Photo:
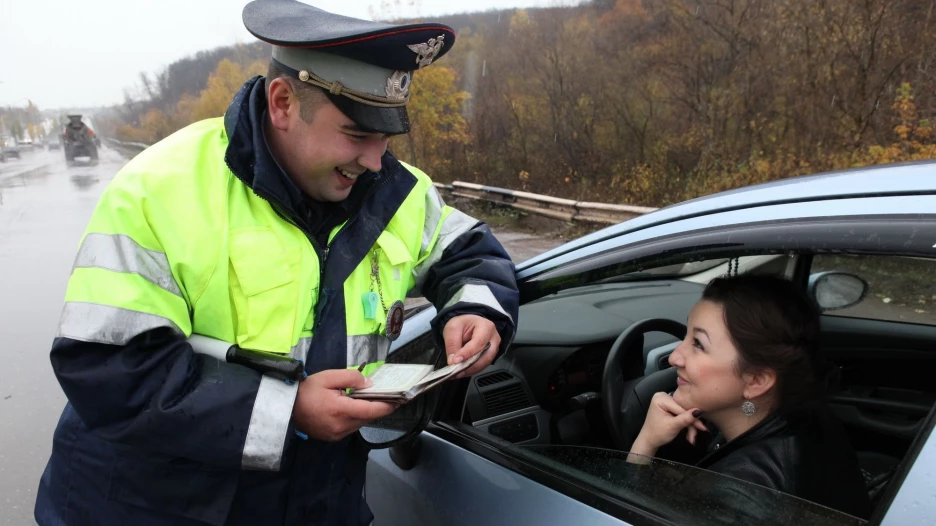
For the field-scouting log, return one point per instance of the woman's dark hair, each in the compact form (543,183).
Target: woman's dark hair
(774,325)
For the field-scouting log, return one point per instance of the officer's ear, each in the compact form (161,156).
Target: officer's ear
(282,102)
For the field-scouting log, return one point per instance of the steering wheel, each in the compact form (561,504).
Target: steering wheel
(625,402)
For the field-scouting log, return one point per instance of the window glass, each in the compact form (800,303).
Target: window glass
(684,494)
(899,288)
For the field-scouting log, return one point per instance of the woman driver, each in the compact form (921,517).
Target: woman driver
(748,363)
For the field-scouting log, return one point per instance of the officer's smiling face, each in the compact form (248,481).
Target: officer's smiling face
(325,156)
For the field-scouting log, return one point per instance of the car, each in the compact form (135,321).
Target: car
(12,151)
(528,440)
(10,147)
(54,144)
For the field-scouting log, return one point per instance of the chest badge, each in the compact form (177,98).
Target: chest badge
(394,325)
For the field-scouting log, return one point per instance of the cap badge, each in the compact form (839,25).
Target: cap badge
(398,85)
(426,53)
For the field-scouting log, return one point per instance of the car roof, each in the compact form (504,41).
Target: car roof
(913,178)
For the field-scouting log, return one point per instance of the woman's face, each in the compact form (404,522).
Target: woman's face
(706,362)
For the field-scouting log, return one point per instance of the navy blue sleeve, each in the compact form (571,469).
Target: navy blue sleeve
(157,395)
(475,276)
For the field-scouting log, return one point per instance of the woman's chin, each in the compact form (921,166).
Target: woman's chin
(681,397)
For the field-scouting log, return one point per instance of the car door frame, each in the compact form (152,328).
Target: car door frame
(911,484)
(802,227)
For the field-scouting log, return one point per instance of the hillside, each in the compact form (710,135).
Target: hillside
(637,101)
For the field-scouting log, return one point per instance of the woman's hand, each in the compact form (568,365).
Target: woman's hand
(665,419)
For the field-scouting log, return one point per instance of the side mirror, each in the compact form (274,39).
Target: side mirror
(836,290)
(409,420)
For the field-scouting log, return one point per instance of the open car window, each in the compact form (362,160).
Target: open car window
(899,288)
(680,493)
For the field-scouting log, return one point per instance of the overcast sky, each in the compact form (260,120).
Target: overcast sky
(79,53)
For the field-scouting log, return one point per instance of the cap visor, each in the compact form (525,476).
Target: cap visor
(392,121)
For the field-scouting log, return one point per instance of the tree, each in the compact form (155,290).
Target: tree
(16,129)
(155,124)
(638,101)
(915,135)
(223,83)
(438,129)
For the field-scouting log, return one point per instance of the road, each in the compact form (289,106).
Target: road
(44,206)
(42,216)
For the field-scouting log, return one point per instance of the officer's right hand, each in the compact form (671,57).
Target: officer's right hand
(323,411)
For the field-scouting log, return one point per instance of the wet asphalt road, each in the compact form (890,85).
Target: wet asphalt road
(44,207)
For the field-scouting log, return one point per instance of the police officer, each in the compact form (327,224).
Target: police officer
(287,228)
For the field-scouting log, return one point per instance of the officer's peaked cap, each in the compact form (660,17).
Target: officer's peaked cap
(364,67)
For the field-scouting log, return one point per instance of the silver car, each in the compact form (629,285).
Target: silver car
(530,440)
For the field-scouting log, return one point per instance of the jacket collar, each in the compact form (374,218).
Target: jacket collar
(777,423)
(248,154)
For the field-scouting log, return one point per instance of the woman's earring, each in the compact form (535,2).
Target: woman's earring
(748,408)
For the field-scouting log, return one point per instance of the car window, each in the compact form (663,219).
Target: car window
(684,494)
(899,288)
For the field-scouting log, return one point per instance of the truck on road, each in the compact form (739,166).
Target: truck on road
(78,140)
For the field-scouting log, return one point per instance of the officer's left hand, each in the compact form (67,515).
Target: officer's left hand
(465,336)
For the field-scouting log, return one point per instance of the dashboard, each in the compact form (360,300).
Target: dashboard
(563,341)
(577,374)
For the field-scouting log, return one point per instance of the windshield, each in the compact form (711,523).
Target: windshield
(685,494)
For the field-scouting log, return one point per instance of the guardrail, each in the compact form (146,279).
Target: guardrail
(555,207)
(135,146)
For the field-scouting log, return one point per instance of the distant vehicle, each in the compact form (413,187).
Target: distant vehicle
(54,144)
(10,148)
(79,141)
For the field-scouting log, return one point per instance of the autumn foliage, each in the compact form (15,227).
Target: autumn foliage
(439,131)
(654,101)
(212,101)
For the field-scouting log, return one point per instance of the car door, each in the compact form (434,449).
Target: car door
(453,473)
(884,351)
